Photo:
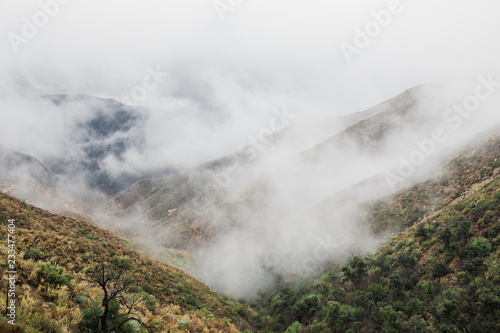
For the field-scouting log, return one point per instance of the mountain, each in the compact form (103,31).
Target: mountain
(106,131)
(188,203)
(15,164)
(55,255)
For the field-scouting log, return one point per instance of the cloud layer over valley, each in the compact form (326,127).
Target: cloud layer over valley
(246,111)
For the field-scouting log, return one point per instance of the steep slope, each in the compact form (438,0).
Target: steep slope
(463,174)
(369,129)
(52,251)
(183,202)
(440,275)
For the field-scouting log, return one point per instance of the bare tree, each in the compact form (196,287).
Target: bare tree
(113,282)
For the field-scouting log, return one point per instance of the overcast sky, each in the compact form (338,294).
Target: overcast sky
(238,60)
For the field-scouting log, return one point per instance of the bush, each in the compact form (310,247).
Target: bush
(378,291)
(355,270)
(479,247)
(407,260)
(421,232)
(393,320)
(492,232)
(120,263)
(80,300)
(339,316)
(83,233)
(44,325)
(482,206)
(294,328)
(51,276)
(414,307)
(474,265)
(240,311)
(32,254)
(90,321)
(427,289)
(396,282)
(485,171)
(439,270)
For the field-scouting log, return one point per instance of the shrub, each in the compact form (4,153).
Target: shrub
(51,276)
(407,260)
(294,328)
(120,263)
(240,311)
(396,282)
(482,206)
(355,270)
(439,270)
(392,319)
(90,321)
(421,232)
(474,265)
(427,289)
(83,233)
(414,307)
(444,236)
(378,291)
(339,315)
(145,286)
(44,325)
(485,171)
(80,300)
(32,254)
(492,232)
(479,247)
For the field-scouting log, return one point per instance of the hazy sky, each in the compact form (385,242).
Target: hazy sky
(233,62)
(287,49)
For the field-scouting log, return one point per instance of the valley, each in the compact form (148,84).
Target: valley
(356,256)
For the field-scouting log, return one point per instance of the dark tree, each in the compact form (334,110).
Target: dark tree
(113,281)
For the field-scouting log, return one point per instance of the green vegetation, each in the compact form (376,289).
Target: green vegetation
(441,275)
(50,276)
(407,207)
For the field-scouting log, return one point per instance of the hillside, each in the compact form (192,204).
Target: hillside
(14,164)
(184,203)
(393,116)
(440,275)
(53,251)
